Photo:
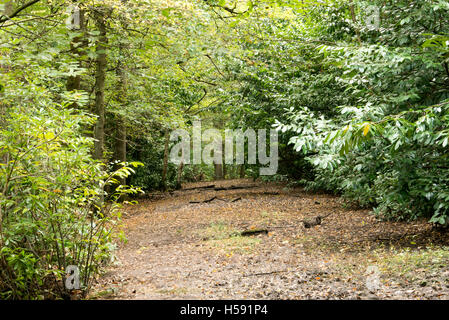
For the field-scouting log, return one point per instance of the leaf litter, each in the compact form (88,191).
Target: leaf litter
(182,250)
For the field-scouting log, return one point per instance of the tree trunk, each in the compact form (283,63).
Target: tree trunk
(77,46)
(100,77)
(165,164)
(120,143)
(179,180)
(242,171)
(120,132)
(224,164)
(354,20)
(119,120)
(218,171)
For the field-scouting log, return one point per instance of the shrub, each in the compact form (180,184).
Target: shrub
(51,215)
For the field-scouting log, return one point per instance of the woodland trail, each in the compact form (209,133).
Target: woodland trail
(182,250)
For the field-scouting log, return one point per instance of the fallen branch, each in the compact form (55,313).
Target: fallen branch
(266,273)
(216,198)
(198,188)
(234,188)
(205,201)
(254,232)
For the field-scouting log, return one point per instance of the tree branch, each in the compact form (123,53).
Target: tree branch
(211,60)
(15,13)
(232,11)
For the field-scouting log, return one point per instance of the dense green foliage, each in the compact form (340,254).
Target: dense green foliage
(365,107)
(50,193)
(361,112)
(387,146)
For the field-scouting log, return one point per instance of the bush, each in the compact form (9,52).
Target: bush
(51,214)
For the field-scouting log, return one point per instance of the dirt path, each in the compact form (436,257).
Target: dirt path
(182,250)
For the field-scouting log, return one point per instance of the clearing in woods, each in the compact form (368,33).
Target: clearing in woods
(189,245)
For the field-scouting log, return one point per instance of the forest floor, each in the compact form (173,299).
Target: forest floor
(182,250)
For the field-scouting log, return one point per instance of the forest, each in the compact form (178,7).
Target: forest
(339,188)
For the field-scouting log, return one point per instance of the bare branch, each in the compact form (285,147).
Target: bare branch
(15,13)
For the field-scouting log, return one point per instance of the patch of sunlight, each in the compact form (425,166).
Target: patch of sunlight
(409,262)
(173,291)
(217,231)
(235,244)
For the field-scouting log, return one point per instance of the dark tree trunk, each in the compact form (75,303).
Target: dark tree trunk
(165,163)
(119,119)
(224,164)
(179,180)
(120,132)
(242,171)
(100,77)
(120,142)
(218,171)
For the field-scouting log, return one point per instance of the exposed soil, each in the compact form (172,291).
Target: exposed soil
(182,250)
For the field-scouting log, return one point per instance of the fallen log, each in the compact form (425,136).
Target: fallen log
(204,201)
(234,188)
(254,232)
(199,188)
(271,193)
(216,198)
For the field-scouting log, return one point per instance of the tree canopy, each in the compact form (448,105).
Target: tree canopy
(91,89)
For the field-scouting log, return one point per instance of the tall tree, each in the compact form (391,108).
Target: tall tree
(77,45)
(100,15)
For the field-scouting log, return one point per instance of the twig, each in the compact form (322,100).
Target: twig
(267,273)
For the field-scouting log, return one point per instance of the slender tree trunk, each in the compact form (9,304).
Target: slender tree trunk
(233,171)
(119,153)
(100,77)
(120,142)
(77,47)
(224,163)
(179,180)
(218,171)
(354,20)
(242,171)
(99,14)
(120,133)
(165,164)
(219,166)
